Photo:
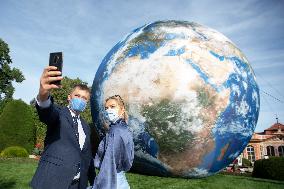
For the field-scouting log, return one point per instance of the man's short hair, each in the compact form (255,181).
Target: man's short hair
(81,86)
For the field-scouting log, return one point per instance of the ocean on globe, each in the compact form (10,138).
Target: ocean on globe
(190,93)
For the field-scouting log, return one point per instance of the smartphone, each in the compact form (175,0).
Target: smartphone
(56,59)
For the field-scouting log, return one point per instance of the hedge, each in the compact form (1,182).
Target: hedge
(17,126)
(246,162)
(14,151)
(272,168)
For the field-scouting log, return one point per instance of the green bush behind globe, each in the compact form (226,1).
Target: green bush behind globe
(191,96)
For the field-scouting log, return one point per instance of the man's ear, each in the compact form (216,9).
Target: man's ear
(69,97)
(88,100)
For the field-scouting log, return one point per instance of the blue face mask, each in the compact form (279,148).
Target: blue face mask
(111,115)
(78,104)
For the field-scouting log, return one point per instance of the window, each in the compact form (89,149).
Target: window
(270,151)
(281,150)
(261,152)
(251,155)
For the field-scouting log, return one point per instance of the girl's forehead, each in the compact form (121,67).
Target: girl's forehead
(111,102)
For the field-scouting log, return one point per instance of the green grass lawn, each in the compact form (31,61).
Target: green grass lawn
(16,174)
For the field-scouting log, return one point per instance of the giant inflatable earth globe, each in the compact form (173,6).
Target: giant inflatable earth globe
(191,96)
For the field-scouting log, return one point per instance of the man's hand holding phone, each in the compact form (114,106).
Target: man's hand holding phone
(49,76)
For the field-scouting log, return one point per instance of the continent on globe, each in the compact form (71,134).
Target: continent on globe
(191,95)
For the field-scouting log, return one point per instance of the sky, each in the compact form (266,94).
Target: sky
(86,30)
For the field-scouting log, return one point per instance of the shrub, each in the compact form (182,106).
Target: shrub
(40,130)
(14,151)
(3,104)
(272,168)
(17,125)
(246,162)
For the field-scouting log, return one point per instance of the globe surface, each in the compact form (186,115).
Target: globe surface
(190,93)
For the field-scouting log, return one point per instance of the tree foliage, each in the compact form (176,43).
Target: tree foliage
(3,104)
(17,125)
(40,128)
(7,74)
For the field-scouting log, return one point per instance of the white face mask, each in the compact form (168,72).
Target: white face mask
(112,115)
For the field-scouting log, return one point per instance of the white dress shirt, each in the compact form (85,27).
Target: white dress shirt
(82,135)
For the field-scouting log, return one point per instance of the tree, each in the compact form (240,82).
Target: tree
(7,74)
(40,128)
(60,95)
(3,104)
(17,125)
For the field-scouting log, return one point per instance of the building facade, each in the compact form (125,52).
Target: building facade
(265,144)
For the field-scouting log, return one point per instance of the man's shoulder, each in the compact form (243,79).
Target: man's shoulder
(59,108)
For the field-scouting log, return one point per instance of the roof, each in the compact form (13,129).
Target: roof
(275,127)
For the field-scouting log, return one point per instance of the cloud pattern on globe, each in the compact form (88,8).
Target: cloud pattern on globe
(191,96)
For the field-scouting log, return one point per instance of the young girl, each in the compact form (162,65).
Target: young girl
(116,151)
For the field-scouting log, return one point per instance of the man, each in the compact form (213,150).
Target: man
(67,153)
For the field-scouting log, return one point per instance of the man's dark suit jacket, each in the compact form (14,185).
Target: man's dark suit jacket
(62,155)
